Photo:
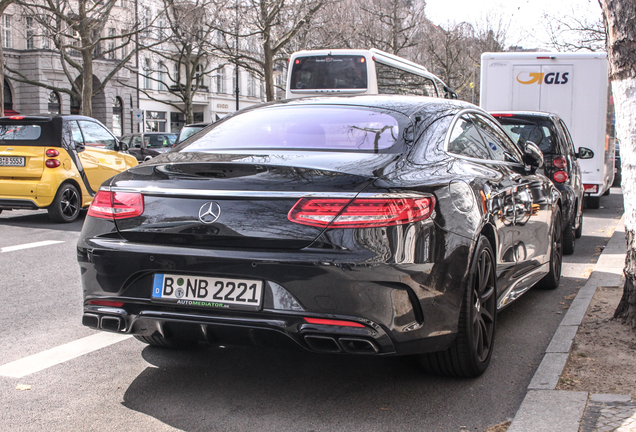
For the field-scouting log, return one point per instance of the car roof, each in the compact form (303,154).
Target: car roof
(541,114)
(407,105)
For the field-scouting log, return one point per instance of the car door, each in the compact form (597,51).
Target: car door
(467,142)
(531,204)
(101,158)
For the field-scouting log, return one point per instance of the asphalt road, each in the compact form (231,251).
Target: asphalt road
(128,386)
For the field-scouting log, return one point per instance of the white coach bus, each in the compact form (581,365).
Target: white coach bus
(348,72)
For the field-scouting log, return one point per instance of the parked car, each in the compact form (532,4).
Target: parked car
(551,134)
(618,171)
(56,162)
(188,130)
(378,225)
(145,146)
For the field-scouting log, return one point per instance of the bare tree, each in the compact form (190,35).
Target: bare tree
(180,52)
(76,29)
(619,17)
(262,29)
(3,7)
(574,32)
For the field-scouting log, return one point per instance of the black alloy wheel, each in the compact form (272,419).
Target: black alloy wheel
(66,205)
(553,278)
(578,232)
(568,239)
(470,353)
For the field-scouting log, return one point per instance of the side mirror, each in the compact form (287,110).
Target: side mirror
(123,146)
(585,153)
(533,157)
(79,146)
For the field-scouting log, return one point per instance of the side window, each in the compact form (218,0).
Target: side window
(501,146)
(568,139)
(397,81)
(466,141)
(96,135)
(76,133)
(136,141)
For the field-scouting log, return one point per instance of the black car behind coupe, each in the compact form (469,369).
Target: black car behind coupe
(378,225)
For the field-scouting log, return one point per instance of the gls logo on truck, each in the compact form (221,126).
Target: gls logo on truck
(541,78)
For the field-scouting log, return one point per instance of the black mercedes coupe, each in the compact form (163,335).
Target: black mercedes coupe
(374,225)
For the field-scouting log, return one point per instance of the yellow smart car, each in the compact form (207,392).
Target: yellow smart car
(56,162)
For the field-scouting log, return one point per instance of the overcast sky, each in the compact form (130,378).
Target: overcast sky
(524,16)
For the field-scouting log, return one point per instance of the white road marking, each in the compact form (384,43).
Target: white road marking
(60,354)
(29,245)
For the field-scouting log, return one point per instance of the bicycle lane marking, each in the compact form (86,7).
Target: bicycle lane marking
(60,354)
(30,245)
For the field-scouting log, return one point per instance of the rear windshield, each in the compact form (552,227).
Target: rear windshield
(537,130)
(329,72)
(188,131)
(316,127)
(160,141)
(20,132)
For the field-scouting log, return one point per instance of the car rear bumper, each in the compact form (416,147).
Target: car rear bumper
(403,308)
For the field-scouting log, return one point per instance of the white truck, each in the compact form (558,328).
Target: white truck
(573,85)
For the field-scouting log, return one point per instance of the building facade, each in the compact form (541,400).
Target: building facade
(136,99)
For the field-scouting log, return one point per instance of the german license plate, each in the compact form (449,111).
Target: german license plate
(11,161)
(207,291)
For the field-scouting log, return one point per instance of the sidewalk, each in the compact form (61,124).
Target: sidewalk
(545,409)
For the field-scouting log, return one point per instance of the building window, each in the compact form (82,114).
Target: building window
(155,121)
(124,51)
(177,74)
(251,85)
(198,75)
(8,98)
(112,33)
(118,117)
(7,40)
(147,74)
(75,105)
(220,81)
(162,76)
(30,32)
(54,103)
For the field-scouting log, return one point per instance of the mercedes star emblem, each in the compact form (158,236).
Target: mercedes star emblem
(209,212)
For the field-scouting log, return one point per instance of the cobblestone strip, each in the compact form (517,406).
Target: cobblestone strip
(609,413)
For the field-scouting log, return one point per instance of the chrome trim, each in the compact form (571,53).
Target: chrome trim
(208,193)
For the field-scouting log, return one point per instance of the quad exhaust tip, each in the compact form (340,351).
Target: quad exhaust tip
(105,322)
(328,344)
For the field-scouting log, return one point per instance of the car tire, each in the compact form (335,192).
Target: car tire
(160,341)
(607,192)
(66,205)
(568,239)
(470,353)
(594,202)
(553,278)
(579,231)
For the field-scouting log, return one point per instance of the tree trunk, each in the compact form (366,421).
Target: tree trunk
(86,107)
(3,6)
(620,19)
(268,70)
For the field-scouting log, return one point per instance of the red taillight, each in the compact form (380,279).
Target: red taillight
(560,176)
(52,163)
(590,188)
(16,117)
(560,162)
(361,212)
(52,153)
(502,115)
(297,61)
(106,303)
(116,205)
(333,322)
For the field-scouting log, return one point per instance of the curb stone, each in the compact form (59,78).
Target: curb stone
(545,409)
